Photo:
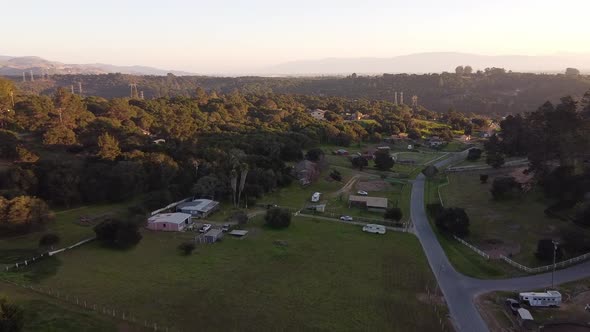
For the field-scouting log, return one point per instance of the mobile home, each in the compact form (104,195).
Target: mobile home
(374,228)
(546,299)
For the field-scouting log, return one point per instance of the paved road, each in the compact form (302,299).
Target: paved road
(460,290)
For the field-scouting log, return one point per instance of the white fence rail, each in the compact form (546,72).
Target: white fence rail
(546,268)
(472,247)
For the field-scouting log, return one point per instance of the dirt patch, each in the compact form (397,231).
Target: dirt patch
(377,185)
(432,299)
(496,248)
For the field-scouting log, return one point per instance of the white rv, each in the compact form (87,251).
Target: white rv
(546,299)
(315,197)
(374,228)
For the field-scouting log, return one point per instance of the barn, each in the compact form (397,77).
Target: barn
(169,222)
(199,208)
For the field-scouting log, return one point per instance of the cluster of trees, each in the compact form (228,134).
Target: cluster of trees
(117,233)
(12,316)
(23,214)
(555,141)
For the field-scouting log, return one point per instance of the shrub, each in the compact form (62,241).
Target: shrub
(393,214)
(315,154)
(454,221)
(505,187)
(117,234)
(483,178)
(575,242)
(474,154)
(545,249)
(434,209)
(277,218)
(335,175)
(49,240)
(187,247)
(12,317)
(430,171)
(383,160)
(582,216)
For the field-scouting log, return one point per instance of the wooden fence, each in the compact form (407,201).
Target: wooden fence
(472,247)
(546,268)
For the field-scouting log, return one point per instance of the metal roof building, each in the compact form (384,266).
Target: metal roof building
(372,203)
(199,208)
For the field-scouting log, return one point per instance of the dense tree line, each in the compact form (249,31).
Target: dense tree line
(491,91)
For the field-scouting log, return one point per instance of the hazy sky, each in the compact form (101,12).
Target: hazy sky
(227,35)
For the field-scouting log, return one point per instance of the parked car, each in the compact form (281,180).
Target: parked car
(225,227)
(205,228)
(513,305)
(362,193)
(346,218)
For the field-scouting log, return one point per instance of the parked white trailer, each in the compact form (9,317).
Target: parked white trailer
(546,299)
(374,228)
(315,197)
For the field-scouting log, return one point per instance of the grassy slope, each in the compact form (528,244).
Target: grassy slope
(15,249)
(462,258)
(520,220)
(330,277)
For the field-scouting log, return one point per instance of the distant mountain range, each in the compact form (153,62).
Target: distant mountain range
(14,66)
(433,63)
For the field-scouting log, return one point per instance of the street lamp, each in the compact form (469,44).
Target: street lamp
(555,244)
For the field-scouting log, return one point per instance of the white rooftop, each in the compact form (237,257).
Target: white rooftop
(173,218)
(525,314)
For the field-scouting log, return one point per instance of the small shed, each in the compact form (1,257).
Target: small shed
(238,233)
(213,235)
(525,319)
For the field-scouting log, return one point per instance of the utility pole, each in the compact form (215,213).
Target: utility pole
(80,88)
(555,243)
(24,77)
(396,98)
(32,77)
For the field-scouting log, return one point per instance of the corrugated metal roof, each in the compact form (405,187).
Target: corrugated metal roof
(173,218)
(378,202)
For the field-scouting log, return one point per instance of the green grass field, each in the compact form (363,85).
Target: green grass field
(329,276)
(518,223)
(15,249)
(46,314)
(463,259)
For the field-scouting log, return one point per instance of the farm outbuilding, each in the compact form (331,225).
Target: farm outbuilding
(213,235)
(199,208)
(169,222)
(377,204)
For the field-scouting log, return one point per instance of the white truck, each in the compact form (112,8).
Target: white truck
(545,299)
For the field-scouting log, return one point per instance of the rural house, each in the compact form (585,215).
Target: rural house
(169,222)
(317,114)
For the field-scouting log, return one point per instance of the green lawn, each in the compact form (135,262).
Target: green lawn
(328,276)
(515,224)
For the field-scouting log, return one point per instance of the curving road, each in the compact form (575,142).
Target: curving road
(460,290)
